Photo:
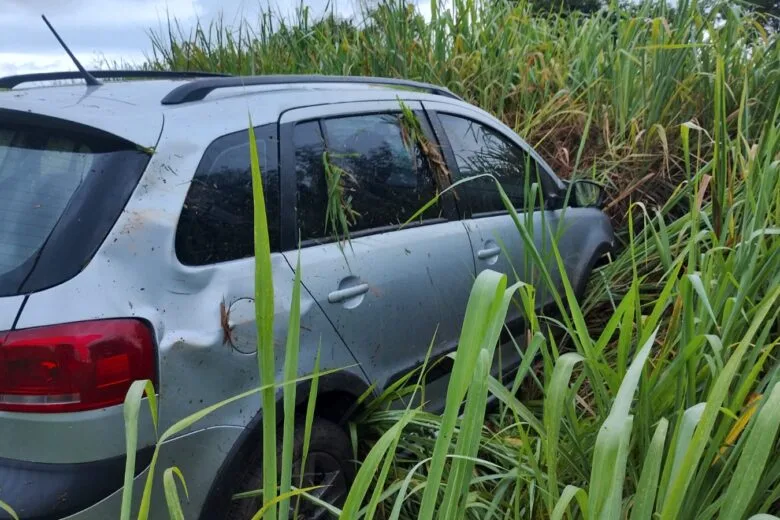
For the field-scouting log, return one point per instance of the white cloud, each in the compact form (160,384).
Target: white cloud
(86,14)
(100,31)
(18,63)
(97,31)
(24,63)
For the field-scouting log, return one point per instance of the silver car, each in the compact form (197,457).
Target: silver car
(126,252)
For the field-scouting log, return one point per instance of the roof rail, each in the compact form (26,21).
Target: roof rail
(10,82)
(199,89)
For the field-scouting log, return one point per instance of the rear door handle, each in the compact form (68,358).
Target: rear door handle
(490,252)
(349,292)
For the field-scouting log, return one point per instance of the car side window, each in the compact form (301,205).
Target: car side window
(478,149)
(312,191)
(387,177)
(217,221)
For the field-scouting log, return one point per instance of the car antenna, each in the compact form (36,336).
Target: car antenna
(91,80)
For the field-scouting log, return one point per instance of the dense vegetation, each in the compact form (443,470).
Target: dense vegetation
(663,398)
(602,95)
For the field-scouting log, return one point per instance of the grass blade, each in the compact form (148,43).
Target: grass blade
(647,486)
(611,449)
(5,507)
(459,477)
(679,446)
(130,410)
(172,494)
(553,414)
(485,302)
(264,320)
(282,497)
(290,371)
(679,485)
(758,448)
(367,470)
(310,407)
(570,492)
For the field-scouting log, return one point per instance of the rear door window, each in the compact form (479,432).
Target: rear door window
(217,220)
(386,177)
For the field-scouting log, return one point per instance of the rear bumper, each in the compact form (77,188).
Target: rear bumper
(198,455)
(39,491)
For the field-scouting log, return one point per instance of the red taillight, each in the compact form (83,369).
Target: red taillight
(73,367)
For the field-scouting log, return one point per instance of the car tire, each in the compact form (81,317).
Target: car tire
(330,460)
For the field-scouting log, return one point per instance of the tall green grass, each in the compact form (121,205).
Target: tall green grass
(670,411)
(600,96)
(688,428)
(661,399)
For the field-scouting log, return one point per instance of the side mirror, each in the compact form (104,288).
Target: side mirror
(586,194)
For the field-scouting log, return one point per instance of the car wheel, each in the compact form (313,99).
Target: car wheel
(329,464)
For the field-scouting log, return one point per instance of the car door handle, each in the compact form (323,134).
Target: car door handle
(489,252)
(349,292)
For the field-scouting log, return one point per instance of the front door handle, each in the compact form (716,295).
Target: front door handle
(489,252)
(349,292)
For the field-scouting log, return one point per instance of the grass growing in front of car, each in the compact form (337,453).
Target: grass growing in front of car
(670,411)
(277,490)
(662,399)
(484,318)
(8,509)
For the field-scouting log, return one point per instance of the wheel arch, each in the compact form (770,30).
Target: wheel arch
(594,260)
(337,400)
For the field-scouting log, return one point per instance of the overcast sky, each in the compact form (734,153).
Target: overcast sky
(113,29)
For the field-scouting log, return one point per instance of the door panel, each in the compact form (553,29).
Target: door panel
(390,295)
(514,259)
(389,291)
(476,146)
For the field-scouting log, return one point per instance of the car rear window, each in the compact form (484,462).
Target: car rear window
(39,172)
(48,181)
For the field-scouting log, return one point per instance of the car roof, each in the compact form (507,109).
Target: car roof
(133,109)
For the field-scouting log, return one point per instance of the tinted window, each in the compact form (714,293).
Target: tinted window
(310,174)
(479,150)
(217,220)
(388,181)
(39,173)
(61,190)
